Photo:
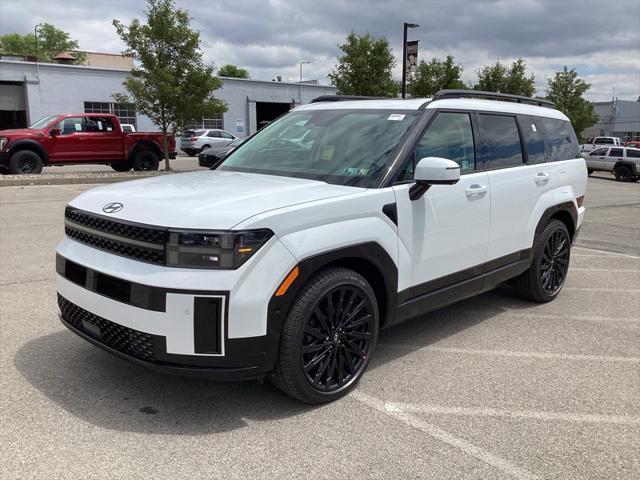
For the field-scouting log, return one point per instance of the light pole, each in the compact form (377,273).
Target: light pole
(404,56)
(300,83)
(35,34)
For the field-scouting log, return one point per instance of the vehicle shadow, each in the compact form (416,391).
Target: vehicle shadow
(111,393)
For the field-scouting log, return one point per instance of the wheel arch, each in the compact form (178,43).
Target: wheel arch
(143,145)
(367,259)
(566,212)
(31,145)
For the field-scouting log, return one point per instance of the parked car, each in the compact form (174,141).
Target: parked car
(212,157)
(128,128)
(632,144)
(623,162)
(600,142)
(194,142)
(72,138)
(286,261)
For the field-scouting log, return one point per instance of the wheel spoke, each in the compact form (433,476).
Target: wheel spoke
(322,319)
(314,332)
(316,347)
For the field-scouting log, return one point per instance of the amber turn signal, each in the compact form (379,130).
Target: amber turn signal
(284,286)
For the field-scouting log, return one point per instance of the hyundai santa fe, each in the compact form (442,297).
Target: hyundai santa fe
(287,260)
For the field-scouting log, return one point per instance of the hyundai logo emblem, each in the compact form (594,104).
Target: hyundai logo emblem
(112,207)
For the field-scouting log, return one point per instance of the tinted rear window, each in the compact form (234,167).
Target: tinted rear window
(532,139)
(559,139)
(500,141)
(615,152)
(604,140)
(633,153)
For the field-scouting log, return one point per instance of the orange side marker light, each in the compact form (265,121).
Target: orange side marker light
(284,286)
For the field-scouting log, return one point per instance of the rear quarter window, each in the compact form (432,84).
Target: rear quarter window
(633,153)
(532,139)
(560,140)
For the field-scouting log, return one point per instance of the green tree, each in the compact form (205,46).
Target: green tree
(435,75)
(565,89)
(170,83)
(232,71)
(51,42)
(365,67)
(499,78)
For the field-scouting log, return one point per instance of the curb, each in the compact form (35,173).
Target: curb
(78,178)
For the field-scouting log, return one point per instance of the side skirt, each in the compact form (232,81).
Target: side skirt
(420,299)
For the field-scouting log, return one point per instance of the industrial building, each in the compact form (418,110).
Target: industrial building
(617,118)
(30,90)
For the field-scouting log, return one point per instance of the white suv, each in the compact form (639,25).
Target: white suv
(289,258)
(623,162)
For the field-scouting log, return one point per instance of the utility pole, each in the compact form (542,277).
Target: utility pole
(406,26)
(300,83)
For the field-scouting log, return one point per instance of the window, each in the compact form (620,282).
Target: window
(226,135)
(615,152)
(633,153)
(604,141)
(98,124)
(206,123)
(125,112)
(500,141)
(71,125)
(559,139)
(532,139)
(214,134)
(599,152)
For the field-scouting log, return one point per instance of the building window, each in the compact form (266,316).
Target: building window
(206,123)
(125,112)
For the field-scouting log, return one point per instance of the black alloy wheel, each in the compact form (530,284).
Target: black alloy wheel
(25,162)
(555,262)
(337,338)
(328,337)
(623,173)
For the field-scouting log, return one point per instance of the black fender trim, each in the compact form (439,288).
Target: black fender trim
(27,144)
(568,207)
(154,146)
(370,253)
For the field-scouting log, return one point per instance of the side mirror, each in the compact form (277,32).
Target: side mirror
(54,132)
(433,171)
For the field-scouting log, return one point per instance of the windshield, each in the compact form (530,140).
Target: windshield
(345,147)
(43,122)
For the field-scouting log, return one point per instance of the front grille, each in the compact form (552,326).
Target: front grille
(140,243)
(142,234)
(126,340)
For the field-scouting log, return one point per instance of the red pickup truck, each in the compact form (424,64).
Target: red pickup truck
(72,138)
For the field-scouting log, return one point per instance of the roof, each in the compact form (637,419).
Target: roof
(427,103)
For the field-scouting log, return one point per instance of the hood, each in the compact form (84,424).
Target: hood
(207,199)
(20,131)
(217,150)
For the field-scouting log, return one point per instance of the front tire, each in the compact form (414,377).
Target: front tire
(549,266)
(328,337)
(146,160)
(25,162)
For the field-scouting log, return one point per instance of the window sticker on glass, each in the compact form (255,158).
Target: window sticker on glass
(78,127)
(327,152)
(351,171)
(396,117)
(533,127)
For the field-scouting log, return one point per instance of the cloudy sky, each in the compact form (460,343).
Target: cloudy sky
(600,39)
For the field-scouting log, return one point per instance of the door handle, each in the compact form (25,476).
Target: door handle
(541,178)
(475,190)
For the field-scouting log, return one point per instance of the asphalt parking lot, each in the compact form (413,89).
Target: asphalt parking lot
(490,388)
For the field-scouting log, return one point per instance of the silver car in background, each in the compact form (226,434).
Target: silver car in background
(192,142)
(623,162)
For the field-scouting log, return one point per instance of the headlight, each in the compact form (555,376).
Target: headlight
(222,250)
(3,142)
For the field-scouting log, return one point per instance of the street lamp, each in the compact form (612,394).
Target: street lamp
(300,83)
(35,34)
(404,56)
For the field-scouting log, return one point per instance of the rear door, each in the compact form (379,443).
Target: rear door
(102,140)
(446,231)
(614,156)
(517,179)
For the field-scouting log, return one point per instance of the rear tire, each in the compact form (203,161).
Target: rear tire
(623,173)
(204,148)
(328,337)
(123,166)
(549,266)
(146,160)
(25,162)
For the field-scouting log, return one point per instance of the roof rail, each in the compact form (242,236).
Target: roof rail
(505,97)
(345,98)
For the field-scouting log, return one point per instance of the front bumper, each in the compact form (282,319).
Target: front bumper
(152,316)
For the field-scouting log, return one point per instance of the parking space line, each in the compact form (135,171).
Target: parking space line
(612,270)
(580,318)
(511,353)
(528,414)
(603,289)
(438,433)
(606,252)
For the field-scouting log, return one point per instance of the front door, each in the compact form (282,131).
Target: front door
(444,234)
(68,145)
